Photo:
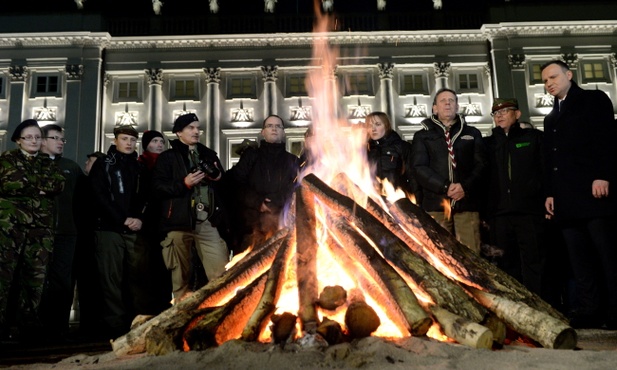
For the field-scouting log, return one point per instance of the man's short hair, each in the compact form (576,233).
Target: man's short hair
(53,127)
(263,125)
(442,90)
(127,130)
(564,66)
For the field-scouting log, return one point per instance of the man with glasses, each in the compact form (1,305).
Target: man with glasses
(515,194)
(29,181)
(265,178)
(448,163)
(58,293)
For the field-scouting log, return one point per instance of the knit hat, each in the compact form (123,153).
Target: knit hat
(27,123)
(148,136)
(127,130)
(183,121)
(500,103)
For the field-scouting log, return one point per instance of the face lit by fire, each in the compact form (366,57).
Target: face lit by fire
(506,117)
(376,127)
(189,135)
(125,144)
(273,130)
(446,107)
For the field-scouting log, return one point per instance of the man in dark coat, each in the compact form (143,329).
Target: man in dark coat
(186,179)
(118,206)
(448,161)
(515,206)
(580,166)
(265,177)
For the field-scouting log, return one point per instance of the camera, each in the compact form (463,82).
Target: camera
(208,168)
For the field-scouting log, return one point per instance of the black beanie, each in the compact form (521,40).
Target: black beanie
(183,121)
(21,127)
(148,136)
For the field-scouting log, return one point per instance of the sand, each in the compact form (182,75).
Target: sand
(596,349)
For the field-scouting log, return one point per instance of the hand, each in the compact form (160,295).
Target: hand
(456,191)
(550,207)
(599,188)
(134,224)
(194,178)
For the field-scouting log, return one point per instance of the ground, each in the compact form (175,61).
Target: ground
(597,349)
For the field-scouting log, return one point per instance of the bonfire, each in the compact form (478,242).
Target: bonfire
(349,262)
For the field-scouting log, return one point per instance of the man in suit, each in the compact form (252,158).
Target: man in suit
(580,167)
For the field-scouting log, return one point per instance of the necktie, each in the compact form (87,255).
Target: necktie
(450,149)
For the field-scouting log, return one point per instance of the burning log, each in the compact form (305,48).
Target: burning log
(254,264)
(214,327)
(332,297)
(462,330)
(267,304)
(537,325)
(361,320)
(402,297)
(471,269)
(444,292)
(283,327)
(306,260)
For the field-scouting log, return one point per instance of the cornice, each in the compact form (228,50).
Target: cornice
(570,28)
(81,39)
(298,39)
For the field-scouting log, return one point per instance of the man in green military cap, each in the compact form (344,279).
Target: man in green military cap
(515,205)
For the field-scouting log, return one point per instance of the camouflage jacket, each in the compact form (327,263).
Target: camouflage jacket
(27,190)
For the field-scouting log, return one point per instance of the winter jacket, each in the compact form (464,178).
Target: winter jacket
(266,172)
(579,149)
(177,210)
(391,157)
(116,184)
(431,169)
(515,171)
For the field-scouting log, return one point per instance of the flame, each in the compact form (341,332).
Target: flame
(447,208)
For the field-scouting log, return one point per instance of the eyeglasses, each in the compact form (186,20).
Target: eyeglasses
(274,125)
(31,138)
(501,112)
(57,138)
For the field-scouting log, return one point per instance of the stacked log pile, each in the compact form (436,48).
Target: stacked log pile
(416,270)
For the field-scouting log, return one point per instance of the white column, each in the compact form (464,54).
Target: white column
(270,75)
(155,113)
(387,95)
(213,111)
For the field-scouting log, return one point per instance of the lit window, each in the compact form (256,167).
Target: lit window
(296,86)
(358,84)
(184,90)
(413,84)
(127,90)
(535,75)
(594,72)
(242,87)
(467,82)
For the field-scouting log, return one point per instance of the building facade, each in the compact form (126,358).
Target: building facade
(91,82)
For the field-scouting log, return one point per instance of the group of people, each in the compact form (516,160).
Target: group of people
(541,196)
(135,231)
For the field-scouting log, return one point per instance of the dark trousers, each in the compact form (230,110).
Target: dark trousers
(59,288)
(521,237)
(592,246)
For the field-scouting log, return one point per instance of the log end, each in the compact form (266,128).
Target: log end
(421,327)
(567,339)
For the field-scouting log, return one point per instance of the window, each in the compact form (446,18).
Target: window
(467,82)
(296,86)
(413,84)
(184,90)
(242,87)
(2,88)
(594,72)
(46,85)
(127,90)
(358,84)
(535,75)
